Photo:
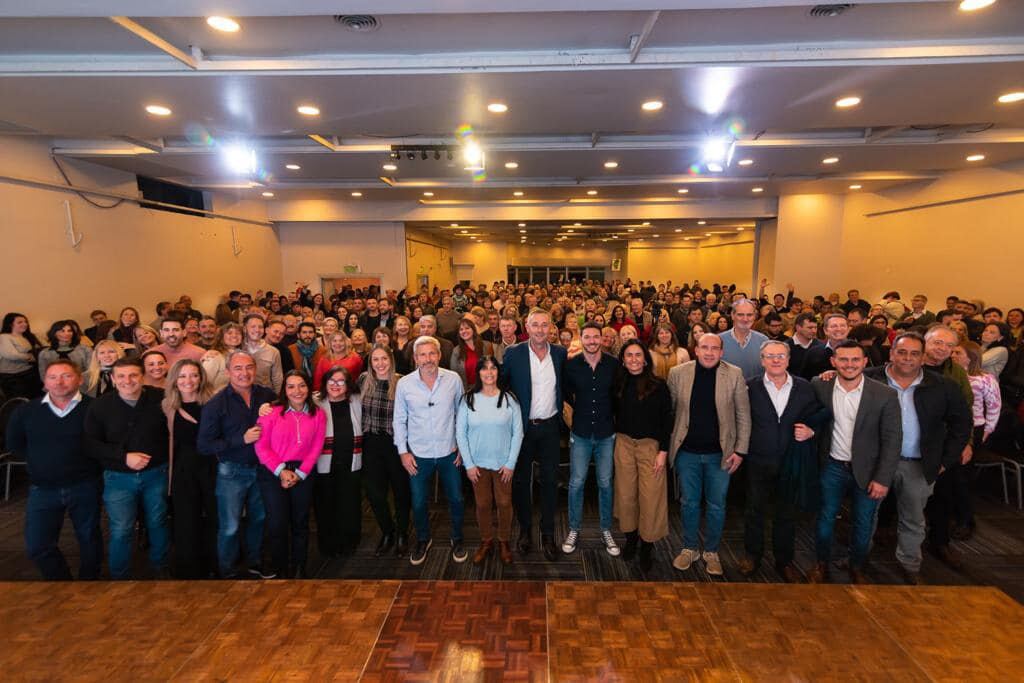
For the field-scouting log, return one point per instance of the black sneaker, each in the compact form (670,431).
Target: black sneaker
(257,571)
(459,553)
(419,551)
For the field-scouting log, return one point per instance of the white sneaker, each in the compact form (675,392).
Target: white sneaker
(685,558)
(714,565)
(569,546)
(609,543)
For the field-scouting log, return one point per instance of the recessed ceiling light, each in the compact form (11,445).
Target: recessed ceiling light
(702,222)
(267,194)
(463,231)
(856,187)
(577,224)
(757,189)
(511,165)
(715,167)
(645,224)
(679,229)
(570,230)
(497,107)
(357,194)
(1011,97)
(847,102)
(682,190)
(225,24)
(517,193)
(976,157)
(454,225)
(631,230)
(739,229)
(522,225)
(707,234)
(292,167)
(615,237)
(745,162)
(830,160)
(523,231)
(158,110)
(611,164)
(308,110)
(972,5)
(651,105)
(591,192)
(428,194)
(389,167)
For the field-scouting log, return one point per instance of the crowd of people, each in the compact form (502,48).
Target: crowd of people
(214,435)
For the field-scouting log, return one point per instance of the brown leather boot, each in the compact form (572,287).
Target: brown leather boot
(505,552)
(482,551)
(819,574)
(747,565)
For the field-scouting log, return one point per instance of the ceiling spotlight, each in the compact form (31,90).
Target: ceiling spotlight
(615,237)
(702,222)
(631,230)
(707,234)
(651,236)
(308,110)
(517,193)
(389,167)
(463,231)
(715,167)
(1011,97)
(437,155)
(830,160)
(856,187)
(450,157)
(570,230)
(158,110)
(240,159)
(454,225)
(522,225)
(292,167)
(428,194)
(411,155)
(976,157)
(645,224)
(591,192)
(757,189)
(497,107)
(847,102)
(577,224)
(972,5)
(611,164)
(739,229)
(225,24)
(679,229)
(423,155)
(683,190)
(651,105)
(511,165)
(396,156)
(523,231)
(745,162)
(267,194)
(357,194)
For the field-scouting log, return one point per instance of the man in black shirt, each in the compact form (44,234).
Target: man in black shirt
(588,379)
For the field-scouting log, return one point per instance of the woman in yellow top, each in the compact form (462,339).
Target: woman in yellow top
(665,351)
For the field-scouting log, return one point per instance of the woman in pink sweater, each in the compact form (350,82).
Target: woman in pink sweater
(292,437)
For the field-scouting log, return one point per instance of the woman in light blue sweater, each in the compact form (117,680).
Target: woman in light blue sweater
(489,430)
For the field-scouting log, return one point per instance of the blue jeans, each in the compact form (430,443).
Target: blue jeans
(237,488)
(122,493)
(451,482)
(701,474)
(44,517)
(836,481)
(581,451)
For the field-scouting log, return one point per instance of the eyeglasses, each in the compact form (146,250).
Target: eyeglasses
(336,382)
(774,356)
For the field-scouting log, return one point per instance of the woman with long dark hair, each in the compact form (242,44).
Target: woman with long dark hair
(468,351)
(643,425)
(65,342)
(19,349)
(489,431)
(124,333)
(291,438)
(337,492)
(995,347)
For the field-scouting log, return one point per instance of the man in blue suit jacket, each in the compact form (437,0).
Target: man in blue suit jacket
(533,371)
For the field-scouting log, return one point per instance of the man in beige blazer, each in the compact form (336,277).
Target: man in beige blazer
(709,440)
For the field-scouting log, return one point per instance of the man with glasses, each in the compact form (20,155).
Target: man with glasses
(936,427)
(741,345)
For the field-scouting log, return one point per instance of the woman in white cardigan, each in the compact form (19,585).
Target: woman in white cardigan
(337,488)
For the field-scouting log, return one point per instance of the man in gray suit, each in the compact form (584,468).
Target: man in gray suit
(860,447)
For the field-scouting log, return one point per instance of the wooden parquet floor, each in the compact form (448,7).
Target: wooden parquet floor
(321,630)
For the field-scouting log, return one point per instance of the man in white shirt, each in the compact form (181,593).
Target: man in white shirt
(861,448)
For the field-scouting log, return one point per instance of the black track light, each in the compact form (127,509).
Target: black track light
(437,155)
(423,155)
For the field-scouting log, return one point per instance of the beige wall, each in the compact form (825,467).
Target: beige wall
(313,250)
(486,262)
(128,256)
(808,238)
(724,260)
(428,255)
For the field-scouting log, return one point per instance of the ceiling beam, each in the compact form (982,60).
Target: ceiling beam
(636,42)
(155,40)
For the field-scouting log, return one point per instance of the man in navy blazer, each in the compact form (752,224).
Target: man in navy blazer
(533,371)
(784,411)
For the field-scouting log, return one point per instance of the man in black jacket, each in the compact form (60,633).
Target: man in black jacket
(936,428)
(818,358)
(781,406)
(47,435)
(126,431)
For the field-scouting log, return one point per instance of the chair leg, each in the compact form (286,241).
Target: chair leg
(1006,494)
(7,486)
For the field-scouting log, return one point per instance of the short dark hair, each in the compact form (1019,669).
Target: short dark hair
(591,325)
(129,362)
(97,312)
(252,316)
(909,334)
(306,323)
(804,317)
(233,293)
(772,318)
(173,318)
(851,344)
(993,309)
(161,306)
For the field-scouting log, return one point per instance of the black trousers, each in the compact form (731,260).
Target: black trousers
(963,485)
(287,519)
(337,499)
(763,493)
(194,516)
(939,510)
(540,445)
(382,469)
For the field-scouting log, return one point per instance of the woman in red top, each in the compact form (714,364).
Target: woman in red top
(339,353)
(468,351)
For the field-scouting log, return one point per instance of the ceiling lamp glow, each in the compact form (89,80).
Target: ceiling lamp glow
(428,194)
(976,157)
(497,107)
(972,5)
(682,190)
(847,102)
(511,165)
(357,194)
(611,164)
(591,192)
(267,194)
(240,159)
(158,110)
(757,189)
(308,110)
(856,187)
(745,162)
(830,160)
(225,24)
(292,167)
(1011,97)
(651,105)
(517,193)
(389,167)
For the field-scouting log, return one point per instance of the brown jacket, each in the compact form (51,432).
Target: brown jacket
(731,403)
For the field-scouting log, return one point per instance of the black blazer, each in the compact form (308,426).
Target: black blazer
(770,435)
(515,371)
(943,416)
(877,432)
(817,359)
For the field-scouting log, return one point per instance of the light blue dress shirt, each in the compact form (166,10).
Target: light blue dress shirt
(489,436)
(424,420)
(911,447)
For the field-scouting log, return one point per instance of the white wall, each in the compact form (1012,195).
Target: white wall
(313,250)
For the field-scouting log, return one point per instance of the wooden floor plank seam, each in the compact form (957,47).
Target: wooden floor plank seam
(380,629)
(547,623)
(209,634)
(885,629)
(719,637)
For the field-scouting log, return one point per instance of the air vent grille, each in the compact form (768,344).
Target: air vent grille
(359,23)
(833,10)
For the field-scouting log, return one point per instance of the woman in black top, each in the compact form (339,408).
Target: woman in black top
(337,488)
(124,333)
(192,474)
(643,425)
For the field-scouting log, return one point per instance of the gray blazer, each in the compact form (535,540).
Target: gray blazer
(731,403)
(877,433)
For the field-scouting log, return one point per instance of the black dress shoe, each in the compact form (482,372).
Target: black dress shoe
(300,572)
(401,545)
(550,551)
(387,542)
(525,542)
(646,562)
(629,550)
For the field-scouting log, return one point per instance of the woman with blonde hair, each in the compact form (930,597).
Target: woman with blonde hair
(99,378)
(193,475)
(339,353)
(229,338)
(146,338)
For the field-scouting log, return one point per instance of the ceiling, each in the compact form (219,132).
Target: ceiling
(760,73)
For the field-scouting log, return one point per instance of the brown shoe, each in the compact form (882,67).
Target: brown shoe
(912,578)
(790,574)
(505,552)
(482,551)
(747,566)
(952,557)
(819,574)
(857,576)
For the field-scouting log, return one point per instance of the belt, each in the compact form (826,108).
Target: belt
(543,420)
(848,464)
(910,459)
